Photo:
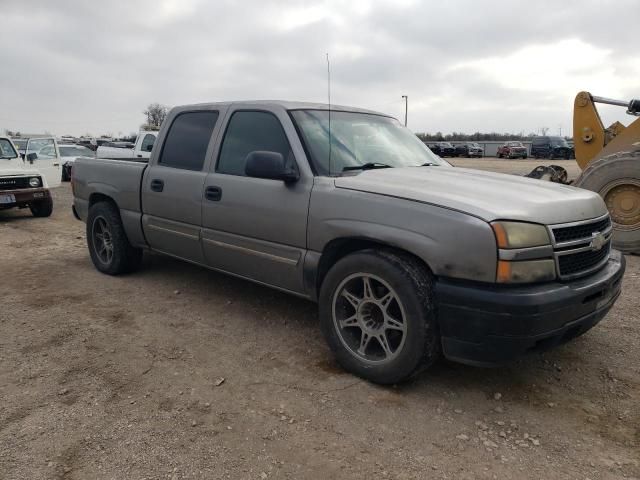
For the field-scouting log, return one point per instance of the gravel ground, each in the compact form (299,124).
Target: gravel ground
(178,372)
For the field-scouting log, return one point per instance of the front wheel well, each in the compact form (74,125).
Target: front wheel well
(339,248)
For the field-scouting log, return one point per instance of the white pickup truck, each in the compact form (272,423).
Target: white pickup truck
(142,149)
(22,185)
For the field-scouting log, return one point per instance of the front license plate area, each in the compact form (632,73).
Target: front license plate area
(9,198)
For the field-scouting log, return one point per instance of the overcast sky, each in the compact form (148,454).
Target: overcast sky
(76,66)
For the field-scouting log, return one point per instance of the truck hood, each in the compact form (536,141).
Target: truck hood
(489,196)
(18,172)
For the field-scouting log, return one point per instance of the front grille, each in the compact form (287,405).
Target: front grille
(582,231)
(14,183)
(581,248)
(576,263)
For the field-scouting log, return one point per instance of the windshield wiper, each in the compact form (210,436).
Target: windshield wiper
(367,166)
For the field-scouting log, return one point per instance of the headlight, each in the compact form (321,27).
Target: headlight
(524,251)
(531,271)
(520,234)
(34,182)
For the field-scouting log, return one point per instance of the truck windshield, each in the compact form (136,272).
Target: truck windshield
(6,149)
(359,139)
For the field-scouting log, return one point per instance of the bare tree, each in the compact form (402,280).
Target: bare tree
(156,114)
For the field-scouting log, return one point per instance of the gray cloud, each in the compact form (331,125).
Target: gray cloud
(72,66)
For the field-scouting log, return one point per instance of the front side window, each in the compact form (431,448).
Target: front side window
(358,139)
(250,131)
(45,148)
(187,140)
(6,149)
(147,142)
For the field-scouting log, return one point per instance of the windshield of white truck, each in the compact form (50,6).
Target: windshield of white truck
(6,149)
(359,141)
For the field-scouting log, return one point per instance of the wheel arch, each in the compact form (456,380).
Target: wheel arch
(338,248)
(101,197)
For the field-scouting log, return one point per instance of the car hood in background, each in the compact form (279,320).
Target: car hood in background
(490,196)
(18,172)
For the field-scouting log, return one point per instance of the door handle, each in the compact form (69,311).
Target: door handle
(157,185)
(139,155)
(213,193)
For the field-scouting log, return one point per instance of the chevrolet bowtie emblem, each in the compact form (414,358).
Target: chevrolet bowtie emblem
(598,241)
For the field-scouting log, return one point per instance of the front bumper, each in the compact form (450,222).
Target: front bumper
(25,197)
(491,325)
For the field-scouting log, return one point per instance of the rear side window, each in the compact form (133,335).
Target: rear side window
(187,140)
(248,132)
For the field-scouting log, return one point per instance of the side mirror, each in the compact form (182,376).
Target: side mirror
(148,148)
(31,157)
(270,165)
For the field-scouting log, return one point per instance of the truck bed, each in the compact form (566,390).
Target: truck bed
(120,180)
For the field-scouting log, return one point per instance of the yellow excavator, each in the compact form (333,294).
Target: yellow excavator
(610,163)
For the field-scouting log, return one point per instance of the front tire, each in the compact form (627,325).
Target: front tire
(377,315)
(108,244)
(42,208)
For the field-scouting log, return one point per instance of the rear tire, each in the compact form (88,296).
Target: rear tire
(108,244)
(616,178)
(42,208)
(385,332)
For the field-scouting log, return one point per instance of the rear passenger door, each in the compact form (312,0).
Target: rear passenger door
(257,227)
(173,184)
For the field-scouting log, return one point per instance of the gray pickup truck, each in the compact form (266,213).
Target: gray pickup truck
(408,258)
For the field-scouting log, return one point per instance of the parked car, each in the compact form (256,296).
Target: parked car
(141,149)
(550,147)
(469,149)
(68,155)
(20,186)
(512,150)
(407,257)
(443,149)
(21,145)
(572,151)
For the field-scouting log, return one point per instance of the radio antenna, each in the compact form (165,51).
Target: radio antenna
(329,103)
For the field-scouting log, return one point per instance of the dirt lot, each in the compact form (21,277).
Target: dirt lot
(178,372)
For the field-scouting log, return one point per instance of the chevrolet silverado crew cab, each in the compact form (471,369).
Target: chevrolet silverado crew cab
(408,258)
(22,186)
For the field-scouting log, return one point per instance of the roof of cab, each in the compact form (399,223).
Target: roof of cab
(288,105)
